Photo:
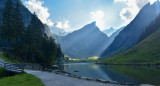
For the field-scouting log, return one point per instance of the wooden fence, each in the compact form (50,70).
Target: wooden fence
(12,67)
(1,64)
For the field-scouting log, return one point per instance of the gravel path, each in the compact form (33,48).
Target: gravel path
(52,79)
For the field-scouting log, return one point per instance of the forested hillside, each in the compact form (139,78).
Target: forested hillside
(26,44)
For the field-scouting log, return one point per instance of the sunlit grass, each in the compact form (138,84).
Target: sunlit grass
(93,58)
(22,79)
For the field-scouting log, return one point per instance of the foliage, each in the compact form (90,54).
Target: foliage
(2,72)
(8,32)
(8,59)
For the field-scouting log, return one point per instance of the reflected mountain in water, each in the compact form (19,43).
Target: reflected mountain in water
(121,74)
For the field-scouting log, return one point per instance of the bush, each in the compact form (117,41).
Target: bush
(2,72)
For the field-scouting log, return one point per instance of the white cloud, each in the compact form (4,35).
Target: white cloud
(59,25)
(63,25)
(98,16)
(66,24)
(132,8)
(42,12)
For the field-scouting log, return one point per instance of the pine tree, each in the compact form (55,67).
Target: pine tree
(34,35)
(7,31)
(19,30)
(19,25)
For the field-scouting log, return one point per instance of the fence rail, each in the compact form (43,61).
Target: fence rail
(1,64)
(12,67)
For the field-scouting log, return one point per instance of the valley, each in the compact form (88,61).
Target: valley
(100,42)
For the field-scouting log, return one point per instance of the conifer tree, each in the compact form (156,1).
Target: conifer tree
(19,25)
(34,36)
(7,30)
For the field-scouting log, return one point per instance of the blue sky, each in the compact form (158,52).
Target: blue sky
(73,14)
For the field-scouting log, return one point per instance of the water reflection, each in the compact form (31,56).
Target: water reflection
(121,74)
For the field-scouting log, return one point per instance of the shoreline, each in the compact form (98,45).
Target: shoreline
(88,79)
(126,64)
(69,78)
(73,77)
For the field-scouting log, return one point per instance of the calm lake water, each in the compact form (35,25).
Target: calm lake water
(121,74)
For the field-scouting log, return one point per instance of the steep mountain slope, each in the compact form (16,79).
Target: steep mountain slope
(147,51)
(25,12)
(153,27)
(85,42)
(129,37)
(109,32)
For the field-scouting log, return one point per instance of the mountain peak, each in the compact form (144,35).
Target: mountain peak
(93,23)
(157,3)
(91,26)
(111,28)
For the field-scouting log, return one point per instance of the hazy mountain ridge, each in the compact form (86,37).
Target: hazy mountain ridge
(109,31)
(85,42)
(58,31)
(115,34)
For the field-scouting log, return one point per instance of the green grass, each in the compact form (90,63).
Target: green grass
(21,80)
(95,58)
(9,59)
(148,51)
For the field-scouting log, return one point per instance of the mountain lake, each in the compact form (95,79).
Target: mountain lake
(121,74)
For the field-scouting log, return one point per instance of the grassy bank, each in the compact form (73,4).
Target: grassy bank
(18,79)
(9,59)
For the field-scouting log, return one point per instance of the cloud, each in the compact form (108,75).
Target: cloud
(98,16)
(42,12)
(66,24)
(63,25)
(132,8)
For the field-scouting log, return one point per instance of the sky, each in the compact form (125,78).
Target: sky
(71,15)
